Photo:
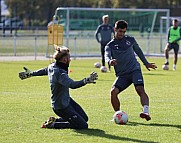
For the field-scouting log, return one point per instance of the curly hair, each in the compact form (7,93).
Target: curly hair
(61,51)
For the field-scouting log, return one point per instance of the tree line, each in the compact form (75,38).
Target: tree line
(40,12)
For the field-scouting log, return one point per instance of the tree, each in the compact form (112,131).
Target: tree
(43,10)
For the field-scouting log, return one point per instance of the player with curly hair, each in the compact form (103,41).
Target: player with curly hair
(71,115)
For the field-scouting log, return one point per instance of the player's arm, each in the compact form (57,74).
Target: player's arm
(64,79)
(168,36)
(97,34)
(178,39)
(28,73)
(140,54)
(107,56)
(40,72)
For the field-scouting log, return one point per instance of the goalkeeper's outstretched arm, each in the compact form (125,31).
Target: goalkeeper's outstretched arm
(40,72)
(28,73)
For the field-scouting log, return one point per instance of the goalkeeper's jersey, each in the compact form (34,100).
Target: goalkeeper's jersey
(123,50)
(59,84)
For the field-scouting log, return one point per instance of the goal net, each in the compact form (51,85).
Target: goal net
(80,25)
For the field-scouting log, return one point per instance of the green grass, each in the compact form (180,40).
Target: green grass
(25,105)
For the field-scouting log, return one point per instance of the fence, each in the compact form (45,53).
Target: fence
(81,44)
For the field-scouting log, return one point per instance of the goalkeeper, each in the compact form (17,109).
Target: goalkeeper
(71,115)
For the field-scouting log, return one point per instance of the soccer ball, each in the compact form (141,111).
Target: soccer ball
(103,69)
(97,65)
(120,117)
(165,67)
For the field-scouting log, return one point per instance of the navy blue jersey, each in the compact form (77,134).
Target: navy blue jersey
(105,32)
(123,50)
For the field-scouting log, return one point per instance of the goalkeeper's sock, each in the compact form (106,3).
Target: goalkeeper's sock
(146,109)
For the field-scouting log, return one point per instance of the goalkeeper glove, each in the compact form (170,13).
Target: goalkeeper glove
(93,76)
(26,74)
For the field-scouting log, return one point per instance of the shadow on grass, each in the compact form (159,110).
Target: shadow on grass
(154,124)
(155,74)
(101,133)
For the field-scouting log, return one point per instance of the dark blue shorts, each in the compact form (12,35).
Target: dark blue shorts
(174,46)
(124,81)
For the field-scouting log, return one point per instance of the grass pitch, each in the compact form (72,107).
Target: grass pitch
(25,105)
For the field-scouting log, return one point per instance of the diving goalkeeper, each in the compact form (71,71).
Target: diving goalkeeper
(71,115)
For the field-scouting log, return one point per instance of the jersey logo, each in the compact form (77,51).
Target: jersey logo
(117,47)
(108,28)
(128,43)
